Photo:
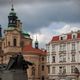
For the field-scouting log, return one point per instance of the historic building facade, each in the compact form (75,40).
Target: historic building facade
(63,57)
(15,41)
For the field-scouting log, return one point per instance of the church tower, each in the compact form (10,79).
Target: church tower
(12,18)
(36,43)
(12,35)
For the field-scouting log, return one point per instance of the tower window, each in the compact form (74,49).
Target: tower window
(10,21)
(42,67)
(14,42)
(8,43)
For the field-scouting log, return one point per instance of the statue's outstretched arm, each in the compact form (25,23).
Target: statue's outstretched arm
(29,63)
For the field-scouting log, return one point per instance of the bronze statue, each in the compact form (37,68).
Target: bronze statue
(16,69)
(17,62)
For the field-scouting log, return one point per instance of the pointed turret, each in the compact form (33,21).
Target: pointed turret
(0,32)
(12,18)
(36,43)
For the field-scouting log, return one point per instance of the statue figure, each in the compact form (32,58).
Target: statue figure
(16,69)
(17,61)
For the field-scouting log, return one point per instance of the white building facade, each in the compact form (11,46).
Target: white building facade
(63,57)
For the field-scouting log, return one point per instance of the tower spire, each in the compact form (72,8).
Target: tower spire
(12,5)
(12,18)
(0,32)
(36,43)
(36,37)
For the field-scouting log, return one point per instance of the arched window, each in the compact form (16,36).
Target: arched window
(14,42)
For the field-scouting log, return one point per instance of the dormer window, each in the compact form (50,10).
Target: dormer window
(61,38)
(74,36)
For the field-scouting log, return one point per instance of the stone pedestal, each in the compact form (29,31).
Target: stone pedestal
(14,75)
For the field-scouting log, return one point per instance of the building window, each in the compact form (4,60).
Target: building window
(72,69)
(62,47)
(42,77)
(74,36)
(42,58)
(53,47)
(14,42)
(47,58)
(10,21)
(42,67)
(47,48)
(4,44)
(62,69)
(8,43)
(73,57)
(0,48)
(48,69)
(0,78)
(33,70)
(53,70)
(61,38)
(62,58)
(73,46)
(53,59)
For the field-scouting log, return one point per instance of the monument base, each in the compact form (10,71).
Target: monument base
(14,75)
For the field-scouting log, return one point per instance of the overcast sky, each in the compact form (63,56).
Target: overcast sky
(43,17)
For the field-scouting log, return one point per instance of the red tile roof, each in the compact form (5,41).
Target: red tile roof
(69,36)
(30,49)
(55,38)
(78,35)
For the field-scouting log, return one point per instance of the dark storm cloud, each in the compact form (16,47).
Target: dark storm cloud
(36,14)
